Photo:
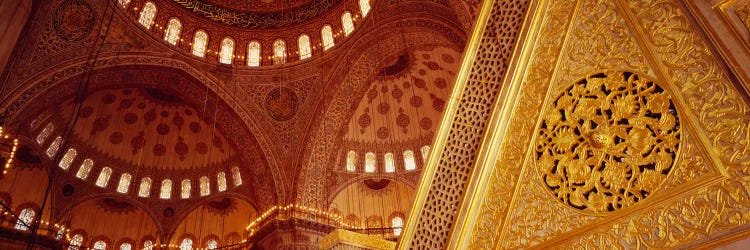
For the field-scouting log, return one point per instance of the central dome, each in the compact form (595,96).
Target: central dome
(259,14)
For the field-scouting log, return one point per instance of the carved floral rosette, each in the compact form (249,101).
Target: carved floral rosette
(607,141)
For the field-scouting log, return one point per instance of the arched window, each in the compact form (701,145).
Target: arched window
(425,152)
(390,166)
(409,163)
(327,34)
(205,186)
(347,23)
(211,244)
(123,3)
(76,242)
(227,51)
(174,27)
(60,233)
(104,177)
(52,149)
(125,246)
(253,54)
(83,171)
(236,176)
(221,181)
(351,161)
(145,188)
(397,224)
(370,162)
(187,244)
(67,159)
(185,189)
(148,245)
(25,218)
(124,184)
(200,41)
(166,189)
(45,133)
(304,47)
(147,15)
(364,6)
(100,245)
(279,52)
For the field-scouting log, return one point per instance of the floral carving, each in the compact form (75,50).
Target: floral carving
(609,141)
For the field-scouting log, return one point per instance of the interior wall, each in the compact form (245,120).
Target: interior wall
(114,221)
(13,16)
(222,219)
(363,203)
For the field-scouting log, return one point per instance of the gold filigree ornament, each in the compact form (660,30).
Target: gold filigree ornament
(608,141)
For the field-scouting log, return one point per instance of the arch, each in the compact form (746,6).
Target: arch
(126,246)
(305,51)
(205,186)
(148,245)
(124,184)
(103,178)
(226,55)
(42,137)
(351,161)
(397,223)
(279,52)
(186,244)
(185,191)
(326,35)
(409,162)
(100,245)
(425,152)
(148,13)
(359,200)
(76,242)
(54,147)
(166,189)
(83,171)
(370,162)
(223,216)
(67,159)
(25,219)
(200,43)
(144,189)
(236,176)
(174,28)
(390,165)
(253,54)
(346,23)
(221,181)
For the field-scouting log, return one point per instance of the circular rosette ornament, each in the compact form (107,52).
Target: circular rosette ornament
(608,141)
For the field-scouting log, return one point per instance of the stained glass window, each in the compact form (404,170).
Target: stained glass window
(200,41)
(83,171)
(25,218)
(125,246)
(227,51)
(76,242)
(174,27)
(370,162)
(124,183)
(148,245)
(304,47)
(409,163)
(390,166)
(425,152)
(123,3)
(364,6)
(52,149)
(187,244)
(100,245)
(185,189)
(104,177)
(67,159)
(221,181)
(45,133)
(166,189)
(205,186)
(397,224)
(147,15)
(327,34)
(351,161)
(279,52)
(211,244)
(236,176)
(347,23)
(253,54)
(144,190)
